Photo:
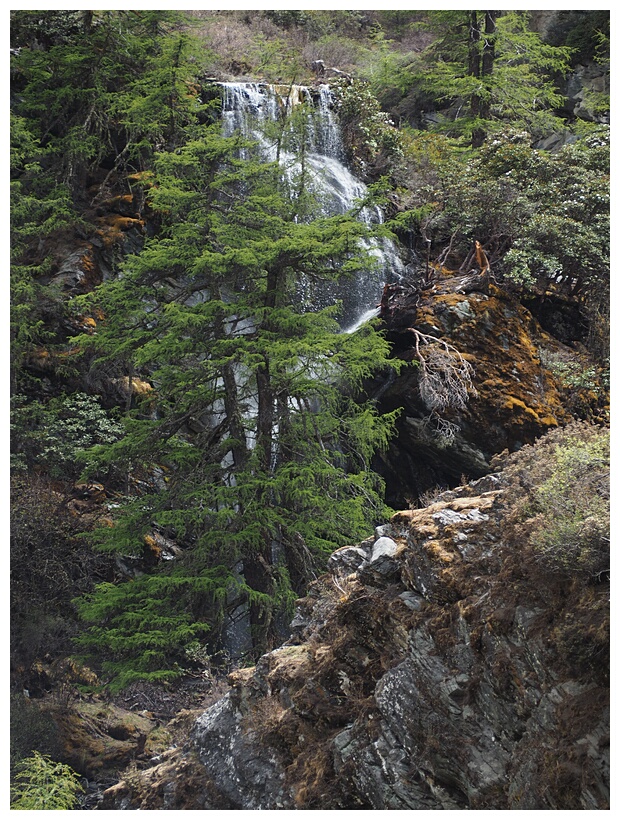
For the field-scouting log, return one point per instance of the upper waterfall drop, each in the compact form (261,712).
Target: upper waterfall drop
(249,108)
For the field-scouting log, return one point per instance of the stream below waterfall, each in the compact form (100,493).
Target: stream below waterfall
(250,109)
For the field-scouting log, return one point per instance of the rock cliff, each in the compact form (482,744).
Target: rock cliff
(511,397)
(437,665)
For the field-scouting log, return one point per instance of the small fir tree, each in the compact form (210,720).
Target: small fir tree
(44,784)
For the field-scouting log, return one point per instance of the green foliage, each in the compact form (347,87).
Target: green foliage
(256,432)
(141,626)
(52,435)
(40,208)
(565,501)
(369,132)
(286,19)
(542,217)
(89,90)
(515,86)
(111,84)
(571,372)
(44,784)
(565,236)
(586,33)
(574,503)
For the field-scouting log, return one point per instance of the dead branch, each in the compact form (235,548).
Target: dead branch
(441,259)
(446,378)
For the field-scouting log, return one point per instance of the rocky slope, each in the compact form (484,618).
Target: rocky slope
(438,665)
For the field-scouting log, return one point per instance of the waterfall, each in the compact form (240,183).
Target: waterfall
(249,109)
(267,115)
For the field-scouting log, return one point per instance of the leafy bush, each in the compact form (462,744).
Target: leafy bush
(52,435)
(562,501)
(572,526)
(584,386)
(570,372)
(45,784)
(370,135)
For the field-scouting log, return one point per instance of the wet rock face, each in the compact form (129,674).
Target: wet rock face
(514,400)
(422,673)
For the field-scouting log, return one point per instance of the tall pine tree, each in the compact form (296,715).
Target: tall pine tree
(264,450)
(491,69)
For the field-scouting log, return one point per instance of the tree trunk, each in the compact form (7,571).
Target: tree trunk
(257,567)
(259,577)
(231,402)
(474,46)
(481,66)
(233,414)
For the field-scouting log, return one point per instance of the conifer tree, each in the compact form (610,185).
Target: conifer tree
(92,94)
(266,454)
(491,69)
(103,86)
(40,207)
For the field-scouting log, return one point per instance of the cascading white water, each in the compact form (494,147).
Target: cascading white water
(249,108)
(254,111)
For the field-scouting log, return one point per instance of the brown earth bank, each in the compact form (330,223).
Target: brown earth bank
(441,664)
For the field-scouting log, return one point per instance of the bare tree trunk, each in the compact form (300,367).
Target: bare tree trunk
(481,66)
(257,567)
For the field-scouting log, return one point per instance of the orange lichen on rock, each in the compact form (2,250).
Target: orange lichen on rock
(133,386)
(512,403)
(500,338)
(511,398)
(438,552)
(86,324)
(141,177)
(152,547)
(114,226)
(122,203)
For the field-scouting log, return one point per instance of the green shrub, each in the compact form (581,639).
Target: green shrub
(42,783)
(572,529)
(370,135)
(52,435)
(569,371)
(564,510)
